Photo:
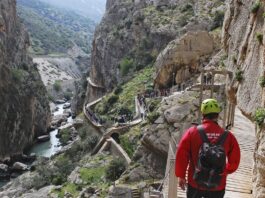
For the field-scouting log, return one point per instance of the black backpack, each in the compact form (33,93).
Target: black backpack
(211,161)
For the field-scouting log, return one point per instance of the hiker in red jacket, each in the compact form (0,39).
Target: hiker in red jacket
(188,153)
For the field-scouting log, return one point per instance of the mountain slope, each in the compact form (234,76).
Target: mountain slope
(54,30)
(90,8)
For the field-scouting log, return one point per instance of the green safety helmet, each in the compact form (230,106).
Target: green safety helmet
(210,106)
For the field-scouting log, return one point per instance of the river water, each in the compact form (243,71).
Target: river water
(47,149)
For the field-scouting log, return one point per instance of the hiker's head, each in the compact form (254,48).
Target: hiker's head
(210,108)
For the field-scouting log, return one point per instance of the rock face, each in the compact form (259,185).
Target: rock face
(243,30)
(135,32)
(182,57)
(24,106)
(177,112)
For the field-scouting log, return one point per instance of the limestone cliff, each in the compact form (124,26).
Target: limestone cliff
(24,105)
(243,42)
(132,34)
(182,58)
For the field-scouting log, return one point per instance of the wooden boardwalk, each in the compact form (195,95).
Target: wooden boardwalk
(239,184)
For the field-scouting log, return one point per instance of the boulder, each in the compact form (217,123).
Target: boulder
(3,168)
(59,101)
(67,105)
(18,166)
(116,191)
(67,112)
(58,119)
(177,113)
(43,138)
(29,158)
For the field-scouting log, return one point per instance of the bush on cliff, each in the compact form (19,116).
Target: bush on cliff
(125,65)
(115,169)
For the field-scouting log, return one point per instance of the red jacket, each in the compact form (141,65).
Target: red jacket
(189,146)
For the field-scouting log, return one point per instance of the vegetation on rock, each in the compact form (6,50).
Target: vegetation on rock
(255,7)
(239,75)
(259,37)
(262,81)
(125,97)
(259,116)
(130,140)
(115,169)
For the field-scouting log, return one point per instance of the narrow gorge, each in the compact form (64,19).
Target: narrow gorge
(151,64)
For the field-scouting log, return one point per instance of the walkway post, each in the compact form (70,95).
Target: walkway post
(233,114)
(212,84)
(201,95)
(173,181)
(229,113)
(225,114)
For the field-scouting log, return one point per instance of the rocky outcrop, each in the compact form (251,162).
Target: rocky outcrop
(24,105)
(177,112)
(132,33)
(181,58)
(243,42)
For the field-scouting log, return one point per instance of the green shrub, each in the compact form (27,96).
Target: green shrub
(218,19)
(112,99)
(91,175)
(115,169)
(125,65)
(58,180)
(259,116)
(123,110)
(82,132)
(102,108)
(75,152)
(153,105)
(255,7)
(152,117)
(57,86)
(91,142)
(65,136)
(183,20)
(239,75)
(262,81)
(127,145)
(187,8)
(17,74)
(259,37)
(64,165)
(118,90)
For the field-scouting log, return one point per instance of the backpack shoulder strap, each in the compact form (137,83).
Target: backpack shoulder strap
(222,137)
(203,134)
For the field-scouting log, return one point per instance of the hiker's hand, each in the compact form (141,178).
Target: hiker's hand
(182,183)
